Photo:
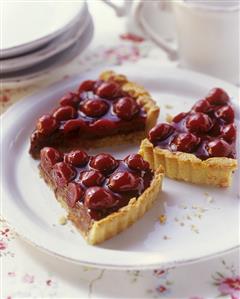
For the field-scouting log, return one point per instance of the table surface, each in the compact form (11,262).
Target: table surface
(29,273)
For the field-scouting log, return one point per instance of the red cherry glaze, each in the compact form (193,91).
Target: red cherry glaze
(218,148)
(201,106)
(87,85)
(49,157)
(215,130)
(217,96)
(160,132)
(74,194)
(103,127)
(126,108)
(95,107)
(99,198)
(92,178)
(179,117)
(107,90)
(226,113)
(199,122)
(46,125)
(62,173)
(124,181)
(136,162)
(64,113)
(76,158)
(229,132)
(71,99)
(184,142)
(74,125)
(104,163)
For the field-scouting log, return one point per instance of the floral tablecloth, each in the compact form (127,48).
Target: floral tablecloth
(29,273)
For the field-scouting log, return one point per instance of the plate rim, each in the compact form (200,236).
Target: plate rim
(99,264)
(36,43)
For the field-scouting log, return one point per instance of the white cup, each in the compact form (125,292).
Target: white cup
(208,34)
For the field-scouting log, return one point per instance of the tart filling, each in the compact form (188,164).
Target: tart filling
(103,108)
(96,190)
(197,146)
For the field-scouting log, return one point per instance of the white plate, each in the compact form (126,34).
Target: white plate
(29,205)
(54,47)
(60,59)
(29,25)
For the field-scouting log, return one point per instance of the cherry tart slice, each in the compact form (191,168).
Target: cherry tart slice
(110,110)
(198,146)
(103,195)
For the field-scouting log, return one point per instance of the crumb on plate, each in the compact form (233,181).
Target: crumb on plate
(62,220)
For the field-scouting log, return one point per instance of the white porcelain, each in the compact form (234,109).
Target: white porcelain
(36,72)
(155,14)
(30,207)
(30,24)
(53,48)
(207,34)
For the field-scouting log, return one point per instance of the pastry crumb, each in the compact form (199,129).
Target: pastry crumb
(162,219)
(62,220)
(167,106)
(166,237)
(168,118)
(182,223)
(194,229)
(209,198)
(182,206)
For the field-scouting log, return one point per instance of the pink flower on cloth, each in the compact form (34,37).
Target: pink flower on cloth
(161,289)
(230,286)
(28,278)
(3,245)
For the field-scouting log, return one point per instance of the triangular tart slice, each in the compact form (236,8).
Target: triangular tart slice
(102,112)
(103,195)
(198,146)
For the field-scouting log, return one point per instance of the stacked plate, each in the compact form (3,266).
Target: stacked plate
(40,36)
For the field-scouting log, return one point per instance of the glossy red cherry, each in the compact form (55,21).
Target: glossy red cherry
(179,117)
(215,130)
(74,194)
(107,90)
(71,99)
(87,85)
(64,113)
(98,198)
(229,132)
(201,106)
(76,158)
(104,163)
(103,127)
(47,124)
(184,142)
(49,156)
(136,162)
(160,132)
(92,178)
(126,108)
(226,113)
(199,122)
(95,108)
(74,125)
(218,148)
(124,181)
(62,173)
(217,96)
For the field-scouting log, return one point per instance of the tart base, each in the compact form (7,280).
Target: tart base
(96,232)
(189,168)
